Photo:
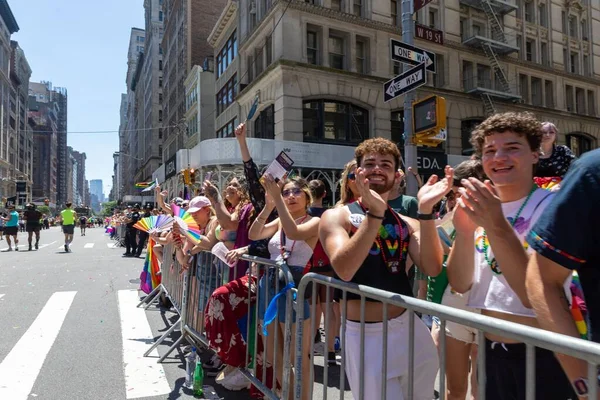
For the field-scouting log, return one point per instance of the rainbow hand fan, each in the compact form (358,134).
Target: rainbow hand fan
(186,223)
(154,223)
(547,183)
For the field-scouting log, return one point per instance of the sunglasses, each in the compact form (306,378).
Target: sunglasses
(352,176)
(295,191)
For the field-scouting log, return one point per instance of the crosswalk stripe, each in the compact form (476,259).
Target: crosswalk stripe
(88,245)
(20,368)
(1,296)
(143,376)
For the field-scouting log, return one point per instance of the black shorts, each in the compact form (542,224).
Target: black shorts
(32,227)
(11,230)
(505,373)
(68,229)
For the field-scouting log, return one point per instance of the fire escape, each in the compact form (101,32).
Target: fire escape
(498,44)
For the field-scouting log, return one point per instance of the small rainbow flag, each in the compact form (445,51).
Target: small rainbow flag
(143,185)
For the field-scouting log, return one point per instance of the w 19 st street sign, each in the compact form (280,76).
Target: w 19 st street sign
(405,82)
(407,54)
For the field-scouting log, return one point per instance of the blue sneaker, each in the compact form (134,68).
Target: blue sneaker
(337,344)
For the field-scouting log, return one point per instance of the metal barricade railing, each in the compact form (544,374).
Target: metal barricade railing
(531,337)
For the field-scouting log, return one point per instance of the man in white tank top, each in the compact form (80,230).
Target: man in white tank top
(490,254)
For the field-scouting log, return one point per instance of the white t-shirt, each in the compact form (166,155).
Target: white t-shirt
(490,291)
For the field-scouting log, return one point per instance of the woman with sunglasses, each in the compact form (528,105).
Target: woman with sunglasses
(348,189)
(555,160)
(293,237)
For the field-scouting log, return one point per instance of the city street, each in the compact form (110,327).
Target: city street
(62,335)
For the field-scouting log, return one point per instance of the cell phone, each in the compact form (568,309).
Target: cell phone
(208,176)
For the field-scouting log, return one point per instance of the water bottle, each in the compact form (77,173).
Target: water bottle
(190,367)
(198,378)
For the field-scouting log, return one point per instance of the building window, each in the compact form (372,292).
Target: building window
(466,127)
(580,100)
(549,89)
(264,126)
(569,98)
(398,128)
(574,63)
(258,61)
(543,15)
(573,27)
(228,129)
(591,103)
(584,29)
(269,50)
(160,16)
(563,15)
(586,65)
(566,60)
(394,12)
(361,56)
(312,47)
(529,11)
(529,50)
(336,5)
(227,54)
(524,87)
(250,70)
(357,7)
(536,92)
(336,52)
(579,143)
(433,18)
(227,95)
(160,115)
(160,67)
(335,121)
(544,51)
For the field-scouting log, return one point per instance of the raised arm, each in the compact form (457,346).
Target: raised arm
(260,229)
(207,242)
(228,222)
(255,189)
(160,198)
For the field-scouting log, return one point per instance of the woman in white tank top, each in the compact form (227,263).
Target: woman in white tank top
(293,236)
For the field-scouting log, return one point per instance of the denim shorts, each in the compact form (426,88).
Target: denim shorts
(266,289)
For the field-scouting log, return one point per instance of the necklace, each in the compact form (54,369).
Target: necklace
(285,254)
(392,265)
(493,264)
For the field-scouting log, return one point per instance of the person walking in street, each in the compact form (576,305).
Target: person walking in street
(32,218)
(143,236)
(68,216)
(368,243)
(489,255)
(564,240)
(83,221)
(130,232)
(11,227)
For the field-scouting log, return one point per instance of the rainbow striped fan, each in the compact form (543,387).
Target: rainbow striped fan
(547,183)
(186,223)
(154,223)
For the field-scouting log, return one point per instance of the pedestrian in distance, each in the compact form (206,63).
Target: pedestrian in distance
(83,221)
(132,217)
(68,217)
(11,227)
(32,218)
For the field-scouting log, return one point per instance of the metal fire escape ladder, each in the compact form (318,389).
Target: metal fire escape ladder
(495,25)
(488,104)
(495,64)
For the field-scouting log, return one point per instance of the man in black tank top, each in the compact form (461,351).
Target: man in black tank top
(368,243)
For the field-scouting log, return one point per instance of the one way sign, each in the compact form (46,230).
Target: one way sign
(412,55)
(405,82)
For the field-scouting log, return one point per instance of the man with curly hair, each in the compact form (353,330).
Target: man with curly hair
(368,243)
(490,255)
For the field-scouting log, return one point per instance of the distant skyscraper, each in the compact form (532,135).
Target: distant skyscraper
(96,189)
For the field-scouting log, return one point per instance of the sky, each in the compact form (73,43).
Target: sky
(82,45)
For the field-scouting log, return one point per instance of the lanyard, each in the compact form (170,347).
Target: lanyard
(380,242)
(284,253)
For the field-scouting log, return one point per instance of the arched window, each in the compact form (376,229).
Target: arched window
(334,121)
(579,143)
(466,127)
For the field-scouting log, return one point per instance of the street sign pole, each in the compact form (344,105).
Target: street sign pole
(410,150)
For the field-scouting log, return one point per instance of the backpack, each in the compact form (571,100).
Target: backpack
(318,259)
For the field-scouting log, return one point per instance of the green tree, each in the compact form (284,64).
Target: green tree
(107,208)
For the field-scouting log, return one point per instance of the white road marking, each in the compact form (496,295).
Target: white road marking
(112,245)
(21,367)
(143,376)
(1,296)
(88,245)
(47,244)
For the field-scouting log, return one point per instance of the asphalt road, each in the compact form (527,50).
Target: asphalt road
(69,328)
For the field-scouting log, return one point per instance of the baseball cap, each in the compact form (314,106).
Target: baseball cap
(198,203)
(177,200)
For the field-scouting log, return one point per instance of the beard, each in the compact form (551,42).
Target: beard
(383,187)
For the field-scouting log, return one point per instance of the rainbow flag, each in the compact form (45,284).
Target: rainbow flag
(150,278)
(143,185)
(578,306)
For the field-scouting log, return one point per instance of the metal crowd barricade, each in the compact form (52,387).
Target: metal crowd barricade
(532,337)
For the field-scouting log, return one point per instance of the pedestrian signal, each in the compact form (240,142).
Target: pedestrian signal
(429,121)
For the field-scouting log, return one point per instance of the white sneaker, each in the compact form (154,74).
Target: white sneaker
(235,381)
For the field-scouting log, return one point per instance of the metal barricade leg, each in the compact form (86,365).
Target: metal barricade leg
(156,292)
(163,337)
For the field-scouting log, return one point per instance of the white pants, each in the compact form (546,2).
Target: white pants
(426,362)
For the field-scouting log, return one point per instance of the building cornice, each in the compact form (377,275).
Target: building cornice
(8,17)
(228,13)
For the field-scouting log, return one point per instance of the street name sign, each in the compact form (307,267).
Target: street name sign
(407,54)
(431,35)
(418,4)
(405,82)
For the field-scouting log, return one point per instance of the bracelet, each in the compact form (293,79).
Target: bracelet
(369,214)
(425,217)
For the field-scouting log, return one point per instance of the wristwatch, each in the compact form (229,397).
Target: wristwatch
(425,217)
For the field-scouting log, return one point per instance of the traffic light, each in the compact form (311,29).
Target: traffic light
(186,176)
(429,121)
